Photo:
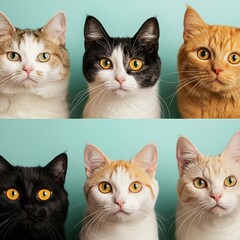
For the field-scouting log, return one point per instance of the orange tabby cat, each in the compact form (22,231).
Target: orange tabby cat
(209,70)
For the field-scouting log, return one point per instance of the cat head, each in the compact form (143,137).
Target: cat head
(121,65)
(209,59)
(211,184)
(33,199)
(121,190)
(31,59)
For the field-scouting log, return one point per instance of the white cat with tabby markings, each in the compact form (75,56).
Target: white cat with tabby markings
(121,196)
(34,70)
(209,193)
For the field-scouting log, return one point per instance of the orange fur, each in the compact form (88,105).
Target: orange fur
(200,95)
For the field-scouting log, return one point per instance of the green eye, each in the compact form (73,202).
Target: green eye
(105,63)
(43,57)
(230,181)
(13,56)
(200,183)
(203,54)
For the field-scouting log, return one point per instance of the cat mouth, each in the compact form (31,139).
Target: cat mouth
(218,81)
(120,212)
(217,207)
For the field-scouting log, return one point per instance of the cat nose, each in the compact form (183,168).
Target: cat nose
(29,209)
(27,69)
(216,197)
(120,203)
(217,70)
(120,79)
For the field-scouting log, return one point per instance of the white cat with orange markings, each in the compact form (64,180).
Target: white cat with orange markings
(121,196)
(209,193)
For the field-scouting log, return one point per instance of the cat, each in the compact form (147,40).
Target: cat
(34,69)
(121,196)
(208,65)
(208,191)
(122,73)
(33,202)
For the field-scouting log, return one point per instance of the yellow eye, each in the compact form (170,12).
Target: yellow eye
(43,57)
(105,63)
(230,181)
(234,58)
(203,54)
(13,56)
(136,64)
(44,194)
(105,187)
(12,194)
(135,187)
(200,183)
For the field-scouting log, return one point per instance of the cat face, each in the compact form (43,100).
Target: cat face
(121,66)
(209,184)
(209,59)
(33,200)
(30,59)
(120,190)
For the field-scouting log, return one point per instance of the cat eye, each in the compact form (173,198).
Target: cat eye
(43,57)
(12,194)
(44,194)
(13,56)
(135,187)
(230,181)
(200,183)
(105,187)
(136,64)
(203,54)
(234,58)
(105,63)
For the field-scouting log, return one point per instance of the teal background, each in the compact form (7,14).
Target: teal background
(30,143)
(122,18)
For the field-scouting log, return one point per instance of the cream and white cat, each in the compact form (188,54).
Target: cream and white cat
(34,70)
(121,196)
(209,193)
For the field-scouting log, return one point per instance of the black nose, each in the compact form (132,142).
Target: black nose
(29,209)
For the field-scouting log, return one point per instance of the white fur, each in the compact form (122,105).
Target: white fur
(108,100)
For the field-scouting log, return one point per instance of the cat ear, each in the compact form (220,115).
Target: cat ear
(5,165)
(58,167)
(186,153)
(232,151)
(193,24)
(146,159)
(5,25)
(94,30)
(148,32)
(94,159)
(56,28)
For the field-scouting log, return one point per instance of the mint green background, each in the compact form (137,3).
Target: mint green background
(30,143)
(122,18)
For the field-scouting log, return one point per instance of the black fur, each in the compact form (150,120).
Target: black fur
(138,46)
(29,218)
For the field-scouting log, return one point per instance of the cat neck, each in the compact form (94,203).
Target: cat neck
(141,229)
(144,103)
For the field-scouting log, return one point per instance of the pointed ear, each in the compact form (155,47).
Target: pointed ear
(193,24)
(5,166)
(94,30)
(186,153)
(94,159)
(146,159)
(148,32)
(232,151)
(55,29)
(5,25)
(58,168)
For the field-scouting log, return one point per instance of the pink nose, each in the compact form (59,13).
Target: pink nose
(27,69)
(217,70)
(216,197)
(120,80)
(120,203)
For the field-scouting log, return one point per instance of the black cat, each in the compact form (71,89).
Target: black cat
(33,201)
